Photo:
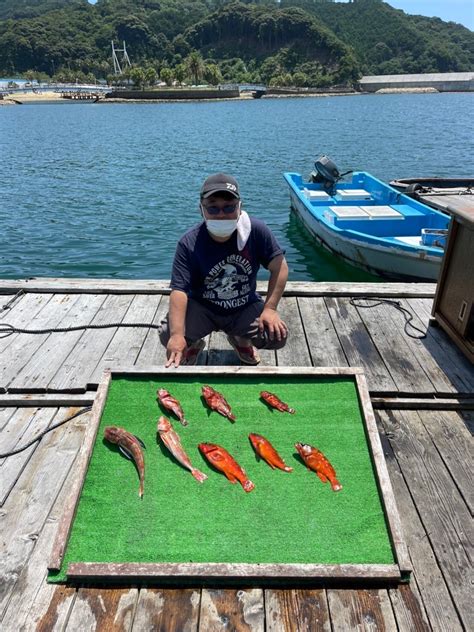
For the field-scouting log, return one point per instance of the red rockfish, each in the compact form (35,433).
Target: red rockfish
(267,452)
(217,402)
(275,402)
(225,463)
(129,446)
(316,461)
(172,441)
(171,403)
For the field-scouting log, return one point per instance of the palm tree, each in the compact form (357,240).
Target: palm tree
(195,64)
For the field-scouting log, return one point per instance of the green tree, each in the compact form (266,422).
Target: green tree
(195,65)
(212,74)
(166,75)
(151,76)
(137,75)
(180,73)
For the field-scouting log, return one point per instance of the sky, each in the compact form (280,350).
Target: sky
(461,11)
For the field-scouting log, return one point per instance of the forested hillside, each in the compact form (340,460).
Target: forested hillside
(297,42)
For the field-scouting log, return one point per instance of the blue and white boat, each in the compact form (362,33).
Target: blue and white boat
(370,224)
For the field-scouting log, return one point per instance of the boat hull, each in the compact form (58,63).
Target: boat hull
(387,262)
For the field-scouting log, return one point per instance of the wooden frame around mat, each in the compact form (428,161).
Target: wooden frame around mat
(175,573)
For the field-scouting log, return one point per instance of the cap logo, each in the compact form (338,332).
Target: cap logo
(230,186)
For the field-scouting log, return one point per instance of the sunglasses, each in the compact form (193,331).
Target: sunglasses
(215,210)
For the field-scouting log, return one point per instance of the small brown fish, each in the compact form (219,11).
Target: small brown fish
(267,452)
(225,463)
(217,402)
(131,447)
(316,461)
(275,402)
(172,441)
(171,403)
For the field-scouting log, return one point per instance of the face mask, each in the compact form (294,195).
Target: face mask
(221,227)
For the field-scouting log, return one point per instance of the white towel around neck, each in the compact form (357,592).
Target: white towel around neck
(243,230)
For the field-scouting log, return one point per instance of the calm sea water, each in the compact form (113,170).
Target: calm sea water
(102,190)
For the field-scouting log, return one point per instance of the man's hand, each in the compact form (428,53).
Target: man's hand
(174,350)
(271,321)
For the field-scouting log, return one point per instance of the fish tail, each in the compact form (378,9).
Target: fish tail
(292,411)
(335,485)
(199,476)
(287,468)
(248,485)
(184,422)
(140,491)
(231,417)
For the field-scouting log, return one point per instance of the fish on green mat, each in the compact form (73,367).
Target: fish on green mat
(216,401)
(225,463)
(267,452)
(275,402)
(172,404)
(172,441)
(316,461)
(131,447)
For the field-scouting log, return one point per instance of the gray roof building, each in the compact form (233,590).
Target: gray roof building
(442,81)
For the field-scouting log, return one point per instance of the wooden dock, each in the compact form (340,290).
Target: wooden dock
(423,392)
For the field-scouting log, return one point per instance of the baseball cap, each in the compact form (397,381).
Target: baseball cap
(220,182)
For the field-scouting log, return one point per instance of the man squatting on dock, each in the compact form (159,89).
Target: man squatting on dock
(214,278)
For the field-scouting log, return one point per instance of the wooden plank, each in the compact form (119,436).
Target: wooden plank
(361,610)
(455,446)
(102,609)
(421,403)
(138,286)
(76,369)
(167,610)
(455,365)
(393,346)
(220,353)
(81,468)
(295,352)
(126,343)
(56,611)
(443,512)
(270,574)
(37,373)
(48,400)
(25,345)
(5,415)
(428,579)
(409,615)
(296,611)
(385,486)
(27,508)
(152,351)
(321,336)
(22,313)
(24,426)
(240,610)
(358,346)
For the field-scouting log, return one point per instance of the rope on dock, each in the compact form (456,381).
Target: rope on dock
(407,315)
(7,329)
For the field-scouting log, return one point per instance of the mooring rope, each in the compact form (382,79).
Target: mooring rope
(408,316)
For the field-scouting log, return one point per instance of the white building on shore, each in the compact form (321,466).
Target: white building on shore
(441,81)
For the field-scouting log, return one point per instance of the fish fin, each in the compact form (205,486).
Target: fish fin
(199,476)
(140,441)
(272,466)
(231,478)
(125,453)
(335,485)
(321,477)
(248,485)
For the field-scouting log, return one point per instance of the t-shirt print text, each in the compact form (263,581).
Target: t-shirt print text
(227,283)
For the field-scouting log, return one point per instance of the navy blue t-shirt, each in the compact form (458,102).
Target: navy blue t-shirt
(218,274)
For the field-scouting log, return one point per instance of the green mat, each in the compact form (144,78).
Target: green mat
(288,518)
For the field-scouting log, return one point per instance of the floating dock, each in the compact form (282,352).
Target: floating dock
(422,392)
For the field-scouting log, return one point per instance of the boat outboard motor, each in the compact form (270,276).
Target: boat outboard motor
(326,173)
